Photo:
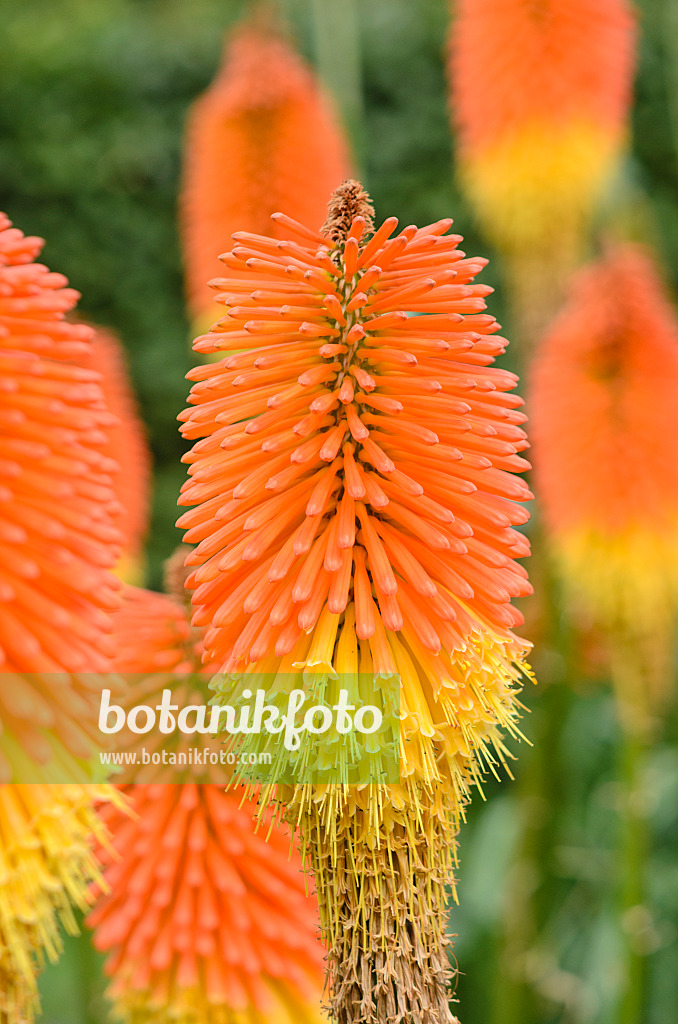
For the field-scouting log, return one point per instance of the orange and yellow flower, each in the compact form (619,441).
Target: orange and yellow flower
(57,545)
(205,921)
(540,96)
(603,400)
(262,138)
(353,477)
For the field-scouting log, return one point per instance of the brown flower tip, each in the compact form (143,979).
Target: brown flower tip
(175,574)
(349,200)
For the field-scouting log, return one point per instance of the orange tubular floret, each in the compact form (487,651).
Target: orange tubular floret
(410,438)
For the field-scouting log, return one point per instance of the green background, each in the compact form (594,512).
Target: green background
(93,98)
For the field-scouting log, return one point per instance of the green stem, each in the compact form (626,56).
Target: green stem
(88,979)
(539,796)
(337,50)
(634,845)
(662,18)
(527,903)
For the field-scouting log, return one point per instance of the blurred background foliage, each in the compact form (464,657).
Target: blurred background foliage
(93,98)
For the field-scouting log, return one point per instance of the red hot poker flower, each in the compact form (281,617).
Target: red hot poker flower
(604,393)
(262,138)
(206,920)
(540,120)
(352,447)
(57,544)
(540,97)
(352,474)
(58,540)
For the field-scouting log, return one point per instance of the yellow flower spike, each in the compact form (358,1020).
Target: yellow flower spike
(47,865)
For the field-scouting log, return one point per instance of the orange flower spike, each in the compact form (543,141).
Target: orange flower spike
(57,534)
(127,445)
(541,120)
(604,394)
(382,443)
(262,138)
(57,544)
(204,920)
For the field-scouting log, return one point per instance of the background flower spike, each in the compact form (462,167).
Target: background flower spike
(540,97)
(262,138)
(604,392)
(128,447)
